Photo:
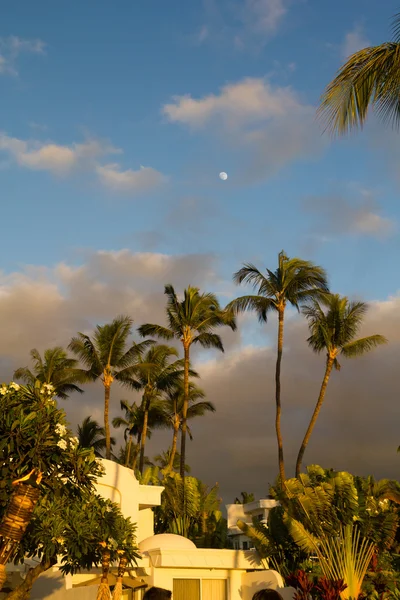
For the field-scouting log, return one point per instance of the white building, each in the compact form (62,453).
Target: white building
(168,561)
(259,509)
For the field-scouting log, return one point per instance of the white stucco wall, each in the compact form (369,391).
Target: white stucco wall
(120,485)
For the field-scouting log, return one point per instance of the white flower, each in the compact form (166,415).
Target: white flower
(60,429)
(62,444)
(14,386)
(74,441)
(100,466)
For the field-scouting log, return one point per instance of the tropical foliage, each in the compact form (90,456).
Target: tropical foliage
(56,368)
(73,530)
(192,320)
(369,78)
(91,435)
(109,357)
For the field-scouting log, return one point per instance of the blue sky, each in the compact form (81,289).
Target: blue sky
(104,73)
(91,92)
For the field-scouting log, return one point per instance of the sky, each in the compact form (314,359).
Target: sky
(117,118)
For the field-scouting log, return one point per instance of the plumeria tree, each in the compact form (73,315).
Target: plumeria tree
(38,455)
(76,531)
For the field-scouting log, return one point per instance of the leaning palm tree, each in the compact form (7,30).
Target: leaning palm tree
(91,435)
(369,78)
(174,401)
(56,368)
(334,322)
(191,320)
(294,282)
(108,357)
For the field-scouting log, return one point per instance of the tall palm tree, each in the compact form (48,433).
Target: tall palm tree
(109,357)
(174,401)
(334,322)
(56,368)
(91,435)
(369,78)
(294,282)
(155,373)
(191,320)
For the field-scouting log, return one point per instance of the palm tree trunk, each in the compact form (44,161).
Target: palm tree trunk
(281,315)
(136,451)
(106,419)
(128,451)
(174,442)
(23,591)
(322,392)
(144,434)
(184,410)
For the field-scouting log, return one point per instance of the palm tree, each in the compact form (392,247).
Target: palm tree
(108,357)
(133,424)
(155,373)
(56,368)
(174,401)
(334,331)
(370,77)
(163,461)
(191,320)
(246,498)
(294,282)
(91,435)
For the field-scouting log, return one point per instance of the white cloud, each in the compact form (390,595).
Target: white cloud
(245,24)
(268,124)
(370,223)
(63,160)
(10,49)
(129,181)
(342,215)
(239,103)
(264,16)
(55,158)
(354,40)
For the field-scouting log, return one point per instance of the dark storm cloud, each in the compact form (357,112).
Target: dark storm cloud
(358,425)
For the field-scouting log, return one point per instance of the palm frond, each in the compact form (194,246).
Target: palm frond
(369,78)
(260,305)
(149,330)
(363,345)
(209,340)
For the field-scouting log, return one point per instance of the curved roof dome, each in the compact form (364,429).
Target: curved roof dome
(166,541)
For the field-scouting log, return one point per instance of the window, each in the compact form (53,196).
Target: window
(186,589)
(190,589)
(245,545)
(213,589)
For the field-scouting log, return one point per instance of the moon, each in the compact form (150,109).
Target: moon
(223,176)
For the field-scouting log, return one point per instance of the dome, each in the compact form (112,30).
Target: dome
(166,541)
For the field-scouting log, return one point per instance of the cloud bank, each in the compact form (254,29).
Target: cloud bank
(358,425)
